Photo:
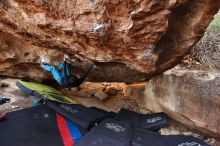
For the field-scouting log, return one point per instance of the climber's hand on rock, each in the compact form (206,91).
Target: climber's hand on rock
(43,62)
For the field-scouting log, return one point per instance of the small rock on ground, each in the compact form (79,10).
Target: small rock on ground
(101,95)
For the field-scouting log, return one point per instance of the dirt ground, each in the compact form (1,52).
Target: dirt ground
(86,96)
(19,100)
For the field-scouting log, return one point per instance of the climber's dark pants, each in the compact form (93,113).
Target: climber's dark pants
(75,81)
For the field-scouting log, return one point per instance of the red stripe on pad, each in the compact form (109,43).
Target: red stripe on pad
(64,131)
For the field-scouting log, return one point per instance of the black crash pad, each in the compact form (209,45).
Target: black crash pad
(110,132)
(83,116)
(151,122)
(141,137)
(37,126)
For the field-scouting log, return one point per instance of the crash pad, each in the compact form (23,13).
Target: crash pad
(38,126)
(79,114)
(43,91)
(152,122)
(141,137)
(110,132)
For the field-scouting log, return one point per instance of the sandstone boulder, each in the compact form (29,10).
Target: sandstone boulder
(128,40)
(188,96)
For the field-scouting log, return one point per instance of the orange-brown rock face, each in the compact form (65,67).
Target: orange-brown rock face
(129,40)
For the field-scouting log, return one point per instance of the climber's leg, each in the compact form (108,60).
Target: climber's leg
(77,82)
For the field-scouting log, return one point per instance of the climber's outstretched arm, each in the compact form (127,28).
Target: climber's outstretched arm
(56,74)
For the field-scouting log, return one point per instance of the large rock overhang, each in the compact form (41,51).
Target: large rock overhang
(128,40)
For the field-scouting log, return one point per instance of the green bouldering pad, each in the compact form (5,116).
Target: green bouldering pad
(43,91)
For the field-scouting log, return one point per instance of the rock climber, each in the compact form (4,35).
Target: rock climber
(62,74)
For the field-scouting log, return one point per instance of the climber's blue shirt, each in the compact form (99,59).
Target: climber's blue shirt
(61,68)
(58,74)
